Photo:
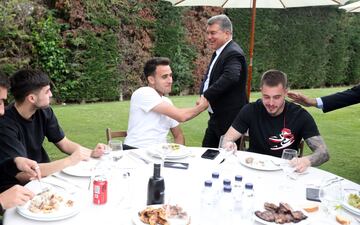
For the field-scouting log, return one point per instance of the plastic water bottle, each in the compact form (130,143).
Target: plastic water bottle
(237,193)
(226,205)
(216,184)
(237,188)
(248,203)
(207,203)
(226,182)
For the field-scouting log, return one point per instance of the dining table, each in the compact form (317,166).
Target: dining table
(128,172)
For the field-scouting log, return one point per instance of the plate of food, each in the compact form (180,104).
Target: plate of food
(171,151)
(260,162)
(82,169)
(352,202)
(49,205)
(162,215)
(280,214)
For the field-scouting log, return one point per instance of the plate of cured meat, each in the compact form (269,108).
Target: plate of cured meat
(280,214)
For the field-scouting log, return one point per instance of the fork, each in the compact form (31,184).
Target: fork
(276,164)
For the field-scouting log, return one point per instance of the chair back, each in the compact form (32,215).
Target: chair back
(114,134)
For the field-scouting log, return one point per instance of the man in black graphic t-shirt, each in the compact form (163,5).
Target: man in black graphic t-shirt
(275,124)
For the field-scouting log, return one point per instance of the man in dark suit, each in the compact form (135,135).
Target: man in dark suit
(330,102)
(225,80)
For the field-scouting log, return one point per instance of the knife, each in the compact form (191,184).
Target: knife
(132,153)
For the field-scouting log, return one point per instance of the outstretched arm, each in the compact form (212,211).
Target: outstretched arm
(320,154)
(302,99)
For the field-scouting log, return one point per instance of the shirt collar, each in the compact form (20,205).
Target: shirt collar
(219,50)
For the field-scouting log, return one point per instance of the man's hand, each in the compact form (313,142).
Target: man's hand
(16,195)
(302,99)
(29,167)
(98,151)
(301,164)
(79,155)
(202,102)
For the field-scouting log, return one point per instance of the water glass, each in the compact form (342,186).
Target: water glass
(116,145)
(331,194)
(287,156)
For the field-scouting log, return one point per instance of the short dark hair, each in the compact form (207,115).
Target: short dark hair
(273,78)
(4,80)
(151,64)
(223,21)
(27,81)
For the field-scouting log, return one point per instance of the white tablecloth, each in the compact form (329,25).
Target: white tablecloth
(184,187)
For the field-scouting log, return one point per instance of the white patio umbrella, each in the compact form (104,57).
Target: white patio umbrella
(353,7)
(253,4)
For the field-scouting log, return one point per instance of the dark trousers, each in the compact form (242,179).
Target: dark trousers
(217,126)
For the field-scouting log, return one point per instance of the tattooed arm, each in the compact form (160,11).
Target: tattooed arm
(319,156)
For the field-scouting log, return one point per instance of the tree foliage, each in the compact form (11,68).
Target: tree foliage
(95,50)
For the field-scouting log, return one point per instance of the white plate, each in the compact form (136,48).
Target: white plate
(181,152)
(82,169)
(260,162)
(62,213)
(350,208)
(137,221)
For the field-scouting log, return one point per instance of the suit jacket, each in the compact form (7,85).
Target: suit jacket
(227,83)
(341,99)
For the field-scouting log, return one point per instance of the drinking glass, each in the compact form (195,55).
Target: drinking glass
(165,149)
(117,149)
(331,194)
(287,156)
(227,144)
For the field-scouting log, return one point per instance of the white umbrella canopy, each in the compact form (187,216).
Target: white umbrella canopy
(253,4)
(259,3)
(353,7)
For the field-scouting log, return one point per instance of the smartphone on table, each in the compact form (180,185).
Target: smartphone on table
(210,154)
(313,194)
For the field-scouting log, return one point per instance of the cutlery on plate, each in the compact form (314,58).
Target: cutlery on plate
(276,164)
(132,153)
(68,190)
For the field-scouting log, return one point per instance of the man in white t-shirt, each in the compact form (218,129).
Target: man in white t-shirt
(152,114)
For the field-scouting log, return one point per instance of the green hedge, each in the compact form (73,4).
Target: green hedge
(95,50)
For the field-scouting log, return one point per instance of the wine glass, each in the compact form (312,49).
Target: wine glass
(287,161)
(331,194)
(227,144)
(227,147)
(165,148)
(287,156)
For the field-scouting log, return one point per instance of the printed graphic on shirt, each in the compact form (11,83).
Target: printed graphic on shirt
(281,141)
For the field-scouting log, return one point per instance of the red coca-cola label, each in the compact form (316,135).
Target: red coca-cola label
(100,190)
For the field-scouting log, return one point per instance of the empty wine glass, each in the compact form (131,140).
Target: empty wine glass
(287,156)
(287,164)
(165,148)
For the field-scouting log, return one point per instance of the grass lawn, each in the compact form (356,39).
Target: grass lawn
(86,125)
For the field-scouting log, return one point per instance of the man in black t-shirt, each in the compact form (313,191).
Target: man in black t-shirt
(275,124)
(30,119)
(16,195)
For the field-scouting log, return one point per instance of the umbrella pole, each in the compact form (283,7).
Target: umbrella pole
(251,50)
